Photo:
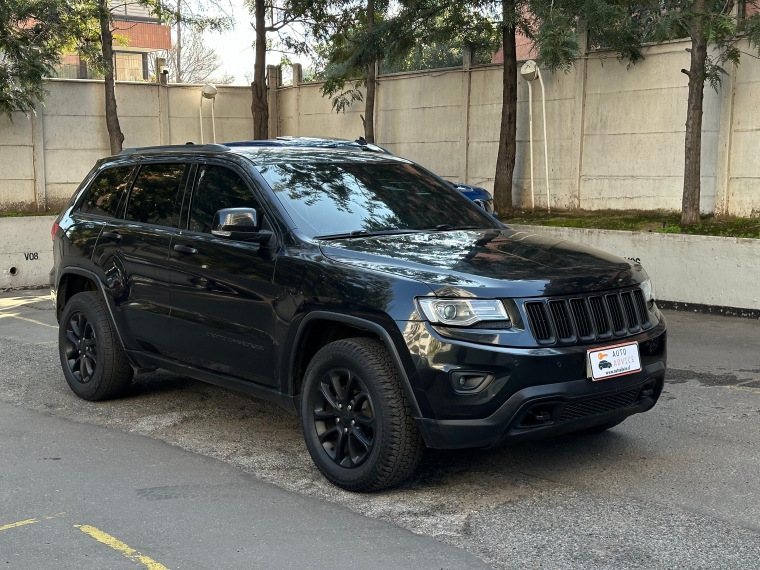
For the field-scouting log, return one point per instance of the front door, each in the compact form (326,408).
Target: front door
(134,255)
(222,293)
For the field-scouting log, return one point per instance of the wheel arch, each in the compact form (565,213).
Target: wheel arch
(302,351)
(74,280)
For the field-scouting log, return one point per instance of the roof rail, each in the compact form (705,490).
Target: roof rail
(191,147)
(267,142)
(311,142)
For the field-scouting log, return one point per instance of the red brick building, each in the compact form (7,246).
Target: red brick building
(525,50)
(144,34)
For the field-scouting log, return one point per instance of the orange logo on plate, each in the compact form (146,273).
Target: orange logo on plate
(601,356)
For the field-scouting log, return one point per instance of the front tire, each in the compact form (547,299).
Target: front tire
(356,419)
(92,359)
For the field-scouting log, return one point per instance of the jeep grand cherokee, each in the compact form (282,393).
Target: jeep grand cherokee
(354,288)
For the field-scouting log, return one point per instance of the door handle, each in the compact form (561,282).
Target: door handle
(111,235)
(185,249)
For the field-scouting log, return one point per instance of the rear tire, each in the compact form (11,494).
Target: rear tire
(356,419)
(92,358)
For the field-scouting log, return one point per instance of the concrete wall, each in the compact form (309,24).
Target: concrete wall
(45,156)
(684,268)
(26,251)
(615,134)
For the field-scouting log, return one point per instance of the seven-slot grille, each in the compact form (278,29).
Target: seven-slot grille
(588,318)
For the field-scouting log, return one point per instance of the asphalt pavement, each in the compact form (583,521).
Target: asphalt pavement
(77,489)
(677,487)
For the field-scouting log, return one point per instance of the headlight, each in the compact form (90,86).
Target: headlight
(463,312)
(648,290)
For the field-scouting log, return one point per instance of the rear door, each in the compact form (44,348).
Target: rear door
(99,205)
(134,254)
(223,297)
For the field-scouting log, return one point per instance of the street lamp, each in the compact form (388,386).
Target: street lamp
(208,92)
(530,72)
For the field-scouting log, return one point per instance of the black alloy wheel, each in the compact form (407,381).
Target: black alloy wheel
(93,361)
(81,347)
(356,420)
(344,418)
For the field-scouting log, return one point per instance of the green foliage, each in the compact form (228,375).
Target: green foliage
(428,56)
(623,27)
(35,33)
(32,35)
(412,34)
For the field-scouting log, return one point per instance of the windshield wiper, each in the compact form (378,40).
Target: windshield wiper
(365,233)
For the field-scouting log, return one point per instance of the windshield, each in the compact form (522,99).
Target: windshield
(334,198)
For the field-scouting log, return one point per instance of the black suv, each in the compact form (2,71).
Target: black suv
(354,288)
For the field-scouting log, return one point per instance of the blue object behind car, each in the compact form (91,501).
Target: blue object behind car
(480,196)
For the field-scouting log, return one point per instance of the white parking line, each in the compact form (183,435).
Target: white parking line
(19,317)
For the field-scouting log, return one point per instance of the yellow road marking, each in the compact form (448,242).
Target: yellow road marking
(29,521)
(16,316)
(19,523)
(742,389)
(118,545)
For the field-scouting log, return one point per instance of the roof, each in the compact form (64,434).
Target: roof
(290,149)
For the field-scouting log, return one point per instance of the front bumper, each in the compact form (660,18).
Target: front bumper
(570,406)
(530,393)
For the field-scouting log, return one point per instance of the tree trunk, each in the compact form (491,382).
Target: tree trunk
(369,105)
(260,106)
(115,136)
(178,63)
(693,146)
(505,163)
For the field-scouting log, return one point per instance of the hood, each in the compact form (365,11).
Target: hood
(492,263)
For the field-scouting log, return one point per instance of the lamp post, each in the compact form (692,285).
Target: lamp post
(208,92)
(530,72)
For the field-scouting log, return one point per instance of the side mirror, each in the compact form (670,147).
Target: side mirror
(239,224)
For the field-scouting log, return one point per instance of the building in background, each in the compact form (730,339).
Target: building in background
(145,34)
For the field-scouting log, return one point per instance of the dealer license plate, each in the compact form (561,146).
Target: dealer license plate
(615,360)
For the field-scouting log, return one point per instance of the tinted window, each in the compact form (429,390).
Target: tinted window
(217,188)
(325,198)
(105,192)
(154,192)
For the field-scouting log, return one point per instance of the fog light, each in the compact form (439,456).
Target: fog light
(470,382)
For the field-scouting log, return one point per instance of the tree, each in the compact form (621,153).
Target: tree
(115,136)
(352,23)
(97,48)
(196,61)
(624,28)
(277,23)
(479,24)
(32,35)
